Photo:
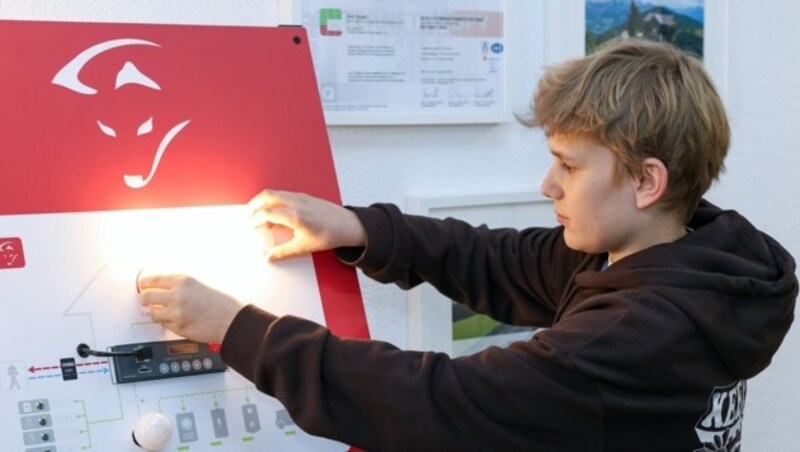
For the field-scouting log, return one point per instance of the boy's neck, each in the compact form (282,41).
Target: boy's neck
(655,232)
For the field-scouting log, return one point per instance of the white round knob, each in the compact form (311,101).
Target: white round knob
(152,431)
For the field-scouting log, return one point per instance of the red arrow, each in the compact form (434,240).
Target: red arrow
(33,369)
(94,363)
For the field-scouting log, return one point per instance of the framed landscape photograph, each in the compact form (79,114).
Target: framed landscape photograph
(577,27)
(678,22)
(696,26)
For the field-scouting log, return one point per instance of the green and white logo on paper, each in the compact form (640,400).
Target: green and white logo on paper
(330,21)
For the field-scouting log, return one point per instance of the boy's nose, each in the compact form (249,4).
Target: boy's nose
(548,187)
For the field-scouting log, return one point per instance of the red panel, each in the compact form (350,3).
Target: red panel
(248,94)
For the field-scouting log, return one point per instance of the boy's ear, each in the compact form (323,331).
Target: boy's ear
(652,184)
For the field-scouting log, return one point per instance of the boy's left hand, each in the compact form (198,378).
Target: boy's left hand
(187,307)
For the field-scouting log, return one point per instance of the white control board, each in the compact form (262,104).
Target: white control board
(91,261)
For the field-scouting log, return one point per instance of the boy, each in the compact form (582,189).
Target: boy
(658,305)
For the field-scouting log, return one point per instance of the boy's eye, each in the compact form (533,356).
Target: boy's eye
(566,167)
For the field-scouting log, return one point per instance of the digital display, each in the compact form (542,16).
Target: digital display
(183,348)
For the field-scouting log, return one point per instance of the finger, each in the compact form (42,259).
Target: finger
(260,219)
(292,248)
(155,297)
(275,215)
(159,315)
(265,199)
(165,281)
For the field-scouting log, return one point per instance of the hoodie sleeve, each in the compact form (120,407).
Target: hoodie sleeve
(371,395)
(516,277)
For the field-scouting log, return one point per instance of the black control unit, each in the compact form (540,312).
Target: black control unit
(166,359)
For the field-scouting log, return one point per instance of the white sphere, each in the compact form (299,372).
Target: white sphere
(152,431)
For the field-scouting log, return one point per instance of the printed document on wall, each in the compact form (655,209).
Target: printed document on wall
(414,56)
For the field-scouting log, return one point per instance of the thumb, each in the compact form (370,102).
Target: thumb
(293,248)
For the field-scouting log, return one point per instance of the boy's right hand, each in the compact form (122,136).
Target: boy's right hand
(315,224)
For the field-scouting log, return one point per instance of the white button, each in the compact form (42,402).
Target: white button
(186,423)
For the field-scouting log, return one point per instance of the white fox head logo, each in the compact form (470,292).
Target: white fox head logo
(67,77)
(8,253)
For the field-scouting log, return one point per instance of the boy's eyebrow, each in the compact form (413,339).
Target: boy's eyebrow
(560,155)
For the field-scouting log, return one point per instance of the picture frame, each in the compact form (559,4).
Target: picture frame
(382,98)
(566,28)
(430,313)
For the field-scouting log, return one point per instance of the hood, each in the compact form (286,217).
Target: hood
(735,283)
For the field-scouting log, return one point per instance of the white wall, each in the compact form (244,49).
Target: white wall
(390,163)
(761,182)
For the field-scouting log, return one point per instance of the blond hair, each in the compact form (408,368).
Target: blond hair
(641,99)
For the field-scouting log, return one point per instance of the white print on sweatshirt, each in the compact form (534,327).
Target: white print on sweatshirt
(720,428)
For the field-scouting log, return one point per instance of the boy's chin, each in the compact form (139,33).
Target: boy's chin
(581,246)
